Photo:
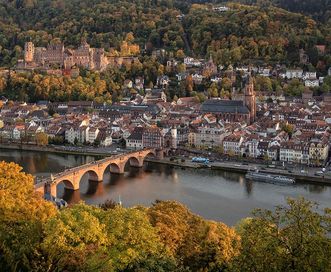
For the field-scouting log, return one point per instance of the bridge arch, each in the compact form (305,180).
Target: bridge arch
(92,175)
(135,162)
(68,184)
(115,168)
(150,155)
(52,188)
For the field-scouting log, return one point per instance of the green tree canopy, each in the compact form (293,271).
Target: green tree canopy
(295,237)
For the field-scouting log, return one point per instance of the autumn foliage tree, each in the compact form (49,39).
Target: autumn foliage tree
(199,244)
(41,139)
(86,238)
(22,215)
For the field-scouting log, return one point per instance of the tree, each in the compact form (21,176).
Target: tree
(41,139)
(225,94)
(109,204)
(263,84)
(134,240)
(181,68)
(219,149)
(189,85)
(313,55)
(74,237)
(266,157)
(23,213)
(86,238)
(213,90)
(180,54)
(96,142)
(294,88)
(200,244)
(288,128)
(226,84)
(201,97)
(129,37)
(57,140)
(231,153)
(295,237)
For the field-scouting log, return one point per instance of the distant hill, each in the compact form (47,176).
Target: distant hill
(243,33)
(250,33)
(318,9)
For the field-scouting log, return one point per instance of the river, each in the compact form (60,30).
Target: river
(216,195)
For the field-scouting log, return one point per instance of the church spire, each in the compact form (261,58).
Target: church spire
(250,100)
(249,89)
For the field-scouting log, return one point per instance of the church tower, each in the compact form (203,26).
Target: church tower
(250,99)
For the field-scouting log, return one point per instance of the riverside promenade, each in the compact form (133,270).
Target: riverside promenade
(238,167)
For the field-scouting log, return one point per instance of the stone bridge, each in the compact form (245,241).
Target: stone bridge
(96,169)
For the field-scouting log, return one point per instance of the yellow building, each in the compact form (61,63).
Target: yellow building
(191,138)
(318,153)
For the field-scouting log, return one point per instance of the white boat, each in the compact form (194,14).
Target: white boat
(269,178)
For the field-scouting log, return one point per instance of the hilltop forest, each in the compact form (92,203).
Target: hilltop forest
(318,9)
(244,33)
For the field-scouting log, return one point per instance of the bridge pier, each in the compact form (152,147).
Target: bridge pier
(75,184)
(50,188)
(95,179)
(159,154)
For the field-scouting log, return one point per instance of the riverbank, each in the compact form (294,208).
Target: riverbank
(236,167)
(25,147)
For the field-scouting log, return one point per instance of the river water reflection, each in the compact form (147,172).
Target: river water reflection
(217,195)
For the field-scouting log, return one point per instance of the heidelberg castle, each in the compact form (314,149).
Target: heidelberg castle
(56,55)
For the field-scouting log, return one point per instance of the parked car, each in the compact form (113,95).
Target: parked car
(319,173)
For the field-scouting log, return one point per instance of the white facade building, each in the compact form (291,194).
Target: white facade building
(92,134)
(312,83)
(232,144)
(294,73)
(209,137)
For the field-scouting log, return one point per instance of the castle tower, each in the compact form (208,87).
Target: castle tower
(28,52)
(250,99)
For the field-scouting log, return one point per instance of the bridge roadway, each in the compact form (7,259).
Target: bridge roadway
(72,177)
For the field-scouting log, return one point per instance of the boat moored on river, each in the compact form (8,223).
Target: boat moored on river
(269,178)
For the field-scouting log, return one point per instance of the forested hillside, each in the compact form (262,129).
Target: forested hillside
(243,33)
(318,9)
(250,33)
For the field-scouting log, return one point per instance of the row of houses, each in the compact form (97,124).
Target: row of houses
(279,147)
